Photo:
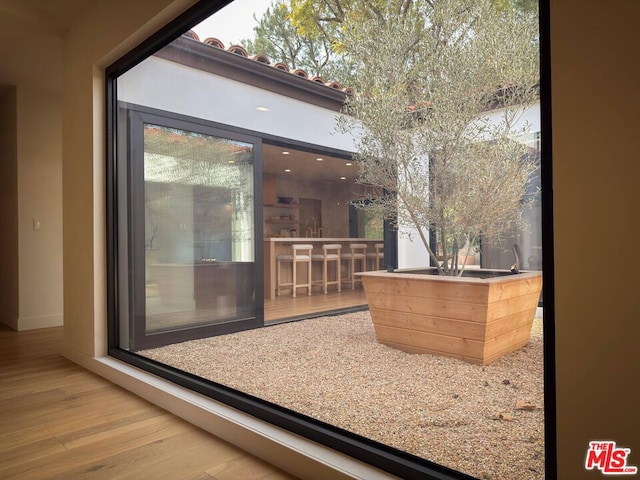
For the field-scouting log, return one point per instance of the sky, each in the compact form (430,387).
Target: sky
(233,23)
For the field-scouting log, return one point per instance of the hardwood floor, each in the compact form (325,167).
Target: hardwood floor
(59,421)
(285,306)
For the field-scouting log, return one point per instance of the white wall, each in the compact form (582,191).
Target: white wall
(529,117)
(31,63)
(40,197)
(173,87)
(411,252)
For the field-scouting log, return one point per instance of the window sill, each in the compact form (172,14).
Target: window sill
(285,450)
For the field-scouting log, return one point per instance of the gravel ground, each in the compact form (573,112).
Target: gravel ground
(487,422)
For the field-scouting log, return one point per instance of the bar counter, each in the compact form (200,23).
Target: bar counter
(282,245)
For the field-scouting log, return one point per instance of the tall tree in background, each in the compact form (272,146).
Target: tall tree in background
(325,17)
(278,39)
(307,34)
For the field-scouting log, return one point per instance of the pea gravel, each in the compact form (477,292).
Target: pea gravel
(487,422)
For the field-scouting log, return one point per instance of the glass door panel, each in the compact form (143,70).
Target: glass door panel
(195,223)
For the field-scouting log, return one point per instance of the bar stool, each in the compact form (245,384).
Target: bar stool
(376,257)
(325,257)
(300,254)
(358,253)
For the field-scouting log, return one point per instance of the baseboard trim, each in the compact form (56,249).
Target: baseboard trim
(44,321)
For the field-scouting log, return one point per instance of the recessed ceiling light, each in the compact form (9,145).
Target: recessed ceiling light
(286,153)
(287,170)
(230,161)
(348,164)
(343,178)
(319,159)
(262,109)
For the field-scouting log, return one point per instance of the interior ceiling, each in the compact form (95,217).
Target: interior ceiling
(305,166)
(56,15)
(31,36)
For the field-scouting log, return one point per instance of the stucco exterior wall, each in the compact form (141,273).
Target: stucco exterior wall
(172,87)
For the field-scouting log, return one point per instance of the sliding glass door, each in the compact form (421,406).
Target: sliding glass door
(192,249)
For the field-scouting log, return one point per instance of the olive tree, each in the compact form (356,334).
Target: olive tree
(428,150)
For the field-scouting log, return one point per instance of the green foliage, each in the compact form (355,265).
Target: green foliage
(308,34)
(277,38)
(424,87)
(325,17)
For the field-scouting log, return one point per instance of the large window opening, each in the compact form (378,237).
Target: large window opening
(240,222)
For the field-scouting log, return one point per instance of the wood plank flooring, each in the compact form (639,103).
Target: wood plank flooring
(59,421)
(285,306)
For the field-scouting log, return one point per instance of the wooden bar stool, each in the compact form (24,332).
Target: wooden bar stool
(325,257)
(300,254)
(358,253)
(377,257)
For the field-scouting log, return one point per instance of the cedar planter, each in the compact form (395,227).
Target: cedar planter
(474,319)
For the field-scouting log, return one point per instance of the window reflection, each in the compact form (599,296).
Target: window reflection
(198,227)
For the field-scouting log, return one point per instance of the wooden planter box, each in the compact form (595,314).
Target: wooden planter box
(474,319)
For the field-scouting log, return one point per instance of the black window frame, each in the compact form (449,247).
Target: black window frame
(135,117)
(376,454)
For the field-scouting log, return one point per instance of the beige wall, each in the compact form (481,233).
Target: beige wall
(107,32)
(40,197)
(596,105)
(31,174)
(9,207)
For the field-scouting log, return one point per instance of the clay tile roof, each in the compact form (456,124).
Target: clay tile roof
(238,50)
(335,85)
(300,73)
(214,42)
(261,58)
(191,34)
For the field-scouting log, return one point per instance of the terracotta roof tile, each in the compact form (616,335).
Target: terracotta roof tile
(238,50)
(261,58)
(300,73)
(192,34)
(214,42)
